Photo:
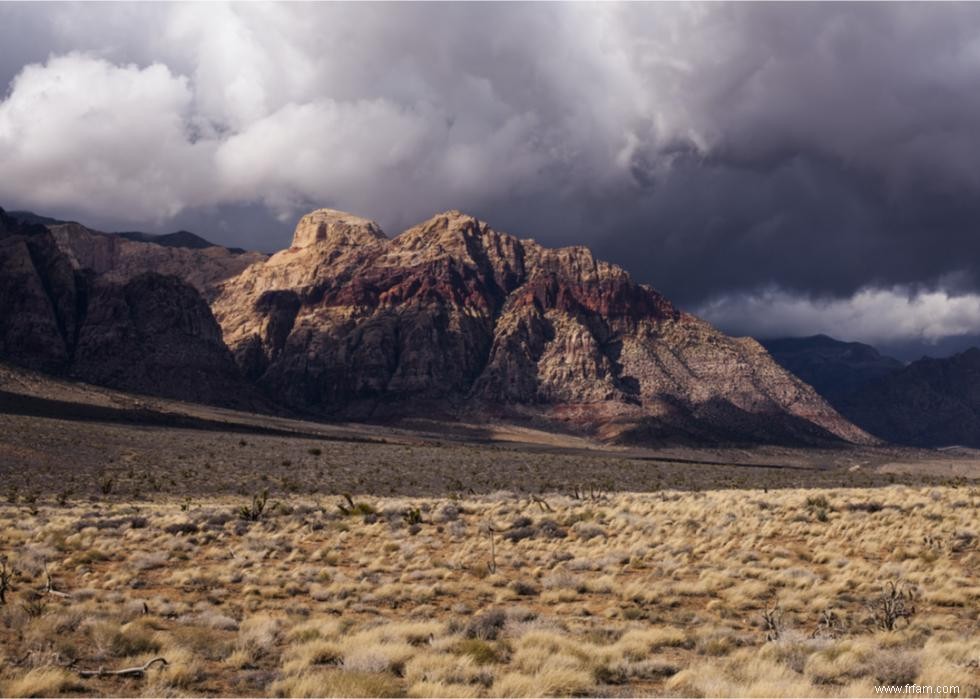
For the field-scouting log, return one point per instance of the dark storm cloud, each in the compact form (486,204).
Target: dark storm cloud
(720,152)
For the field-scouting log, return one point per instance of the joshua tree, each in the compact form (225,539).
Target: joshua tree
(254,513)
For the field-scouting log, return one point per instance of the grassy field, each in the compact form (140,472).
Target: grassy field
(745,592)
(485,560)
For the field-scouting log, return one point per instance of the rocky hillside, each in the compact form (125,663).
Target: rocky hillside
(835,369)
(449,319)
(931,402)
(141,331)
(928,403)
(454,318)
(119,259)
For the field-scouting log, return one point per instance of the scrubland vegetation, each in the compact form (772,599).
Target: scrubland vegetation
(792,592)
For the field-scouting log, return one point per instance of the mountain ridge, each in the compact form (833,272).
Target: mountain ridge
(456,316)
(450,318)
(930,402)
(835,368)
(177,239)
(145,332)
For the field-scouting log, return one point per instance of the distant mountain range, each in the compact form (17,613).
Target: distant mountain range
(929,402)
(450,319)
(178,239)
(836,369)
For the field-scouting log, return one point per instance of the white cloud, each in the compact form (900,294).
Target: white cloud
(870,315)
(80,131)
(324,148)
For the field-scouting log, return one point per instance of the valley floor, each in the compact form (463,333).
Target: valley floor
(72,440)
(467,560)
(734,592)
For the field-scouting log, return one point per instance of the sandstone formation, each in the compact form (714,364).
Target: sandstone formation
(119,259)
(454,318)
(150,333)
(40,294)
(449,319)
(155,334)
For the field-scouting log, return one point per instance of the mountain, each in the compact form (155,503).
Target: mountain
(835,369)
(450,319)
(120,259)
(454,318)
(31,217)
(930,402)
(179,239)
(184,253)
(147,332)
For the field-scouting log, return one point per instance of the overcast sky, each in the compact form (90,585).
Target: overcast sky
(779,168)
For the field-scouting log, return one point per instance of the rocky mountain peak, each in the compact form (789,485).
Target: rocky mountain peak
(333,228)
(450,233)
(452,317)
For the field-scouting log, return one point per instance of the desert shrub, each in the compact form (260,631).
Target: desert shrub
(349,508)
(5,576)
(41,682)
(524,589)
(132,641)
(895,602)
(486,626)
(772,621)
(817,502)
(105,484)
(181,528)
(895,668)
(482,652)
(446,513)
(338,683)
(34,608)
(550,529)
(869,506)
(412,516)
(589,531)
(218,519)
(563,580)
(518,534)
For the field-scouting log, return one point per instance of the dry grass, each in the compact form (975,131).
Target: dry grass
(656,594)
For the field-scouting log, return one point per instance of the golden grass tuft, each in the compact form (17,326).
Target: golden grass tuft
(656,594)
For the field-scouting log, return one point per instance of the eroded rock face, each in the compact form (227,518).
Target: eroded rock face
(452,317)
(119,259)
(150,333)
(155,334)
(39,297)
(334,229)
